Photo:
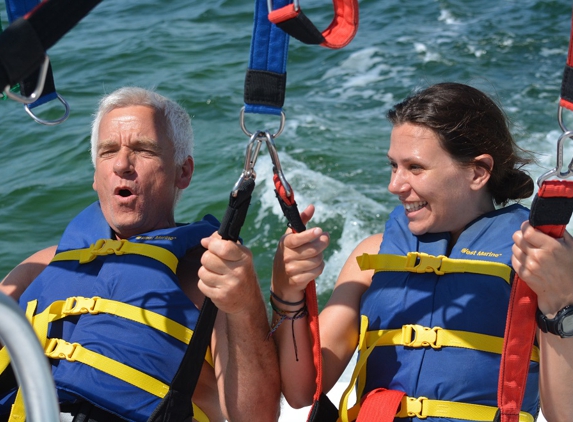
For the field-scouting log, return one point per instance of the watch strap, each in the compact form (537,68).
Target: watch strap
(552,325)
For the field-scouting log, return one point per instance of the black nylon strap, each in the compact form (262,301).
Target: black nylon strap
(323,410)
(176,405)
(24,43)
(292,215)
(567,84)
(28,85)
(550,211)
(301,28)
(263,87)
(54,18)
(20,36)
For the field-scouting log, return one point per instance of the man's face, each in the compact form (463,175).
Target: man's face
(135,176)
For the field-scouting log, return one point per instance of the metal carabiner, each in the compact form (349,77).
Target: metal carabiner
(249,134)
(39,86)
(560,119)
(251,155)
(296,4)
(556,172)
(277,169)
(50,122)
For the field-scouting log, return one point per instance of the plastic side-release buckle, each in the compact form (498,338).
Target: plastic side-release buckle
(412,407)
(78,305)
(420,262)
(57,348)
(423,336)
(102,247)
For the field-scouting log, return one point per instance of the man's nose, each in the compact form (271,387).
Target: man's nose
(123,162)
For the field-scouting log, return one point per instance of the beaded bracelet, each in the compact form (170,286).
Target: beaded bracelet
(284,302)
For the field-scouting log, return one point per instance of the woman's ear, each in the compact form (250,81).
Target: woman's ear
(482,168)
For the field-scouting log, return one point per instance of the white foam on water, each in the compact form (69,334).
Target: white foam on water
(333,201)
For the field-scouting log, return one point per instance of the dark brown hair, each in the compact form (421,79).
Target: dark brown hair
(468,123)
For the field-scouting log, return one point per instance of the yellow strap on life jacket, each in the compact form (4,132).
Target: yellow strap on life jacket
(18,410)
(437,337)
(423,407)
(414,335)
(60,349)
(420,262)
(56,348)
(119,247)
(78,305)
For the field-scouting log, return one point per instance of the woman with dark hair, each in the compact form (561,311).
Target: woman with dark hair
(425,302)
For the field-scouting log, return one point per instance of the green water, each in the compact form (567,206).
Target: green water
(334,144)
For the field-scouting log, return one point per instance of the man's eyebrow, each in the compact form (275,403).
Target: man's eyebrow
(143,142)
(106,143)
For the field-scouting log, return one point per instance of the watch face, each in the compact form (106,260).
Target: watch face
(568,325)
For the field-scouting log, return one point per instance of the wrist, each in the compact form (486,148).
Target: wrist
(561,324)
(288,300)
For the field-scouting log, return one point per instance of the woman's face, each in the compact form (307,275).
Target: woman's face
(438,194)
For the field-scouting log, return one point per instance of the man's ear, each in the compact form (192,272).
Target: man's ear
(482,171)
(185,173)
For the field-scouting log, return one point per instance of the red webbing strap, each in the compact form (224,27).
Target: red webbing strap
(322,409)
(566,99)
(339,33)
(550,212)
(380,405)
(518,342)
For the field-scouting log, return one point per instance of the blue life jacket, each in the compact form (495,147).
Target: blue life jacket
(118,321)
(464,294)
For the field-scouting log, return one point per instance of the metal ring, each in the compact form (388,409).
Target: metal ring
(296,4)
(51,122)
(39,86)
(249,134)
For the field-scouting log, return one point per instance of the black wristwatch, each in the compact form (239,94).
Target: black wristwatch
(561,325)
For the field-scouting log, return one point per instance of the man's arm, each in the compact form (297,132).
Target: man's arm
(246,365)
(546,265)
(24,273)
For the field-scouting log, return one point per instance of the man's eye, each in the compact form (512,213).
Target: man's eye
(106,153)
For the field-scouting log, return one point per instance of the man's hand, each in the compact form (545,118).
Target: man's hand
(227,275)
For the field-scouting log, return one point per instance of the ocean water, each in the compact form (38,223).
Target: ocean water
(335,140)
(334,144)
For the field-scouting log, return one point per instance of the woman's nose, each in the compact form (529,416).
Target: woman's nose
(398,183)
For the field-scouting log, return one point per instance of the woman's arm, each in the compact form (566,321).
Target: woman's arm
(297,262)
(546,265)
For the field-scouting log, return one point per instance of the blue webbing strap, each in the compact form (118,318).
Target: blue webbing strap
(265,81)
(16,9)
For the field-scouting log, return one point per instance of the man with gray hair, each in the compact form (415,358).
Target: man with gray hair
(116,301)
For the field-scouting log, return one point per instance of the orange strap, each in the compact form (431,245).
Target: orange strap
(339,33)
(550,212)
(322,408)
(380,405)
(566,99)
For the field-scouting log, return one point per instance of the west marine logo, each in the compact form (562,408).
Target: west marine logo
(155,238)
(481,253)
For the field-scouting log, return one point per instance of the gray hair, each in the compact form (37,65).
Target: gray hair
(178,122)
